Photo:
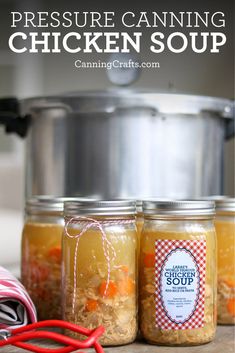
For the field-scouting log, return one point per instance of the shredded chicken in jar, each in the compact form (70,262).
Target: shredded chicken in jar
(226,302)
(225,230)
(41,268)
(99,301)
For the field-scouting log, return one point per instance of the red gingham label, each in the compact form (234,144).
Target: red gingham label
(180,267)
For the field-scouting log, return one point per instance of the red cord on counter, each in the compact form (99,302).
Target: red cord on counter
(18,337)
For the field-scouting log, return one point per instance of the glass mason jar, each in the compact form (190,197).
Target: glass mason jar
(178,273)
(225,231)
(139,221)
(99,277)
(41,254)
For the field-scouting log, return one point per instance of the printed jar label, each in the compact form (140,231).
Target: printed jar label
(180,268)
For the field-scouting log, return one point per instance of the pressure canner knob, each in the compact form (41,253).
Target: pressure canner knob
(123,69)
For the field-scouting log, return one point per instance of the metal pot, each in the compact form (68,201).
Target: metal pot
(122,143)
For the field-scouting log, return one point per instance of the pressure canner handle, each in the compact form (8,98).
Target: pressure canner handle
(230,125)
(11,119)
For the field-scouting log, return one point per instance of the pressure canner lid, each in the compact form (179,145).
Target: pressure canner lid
(116,100)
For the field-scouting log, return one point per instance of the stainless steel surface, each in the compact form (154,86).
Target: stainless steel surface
(100,207)
(126,145)
(179,208)
(117,99)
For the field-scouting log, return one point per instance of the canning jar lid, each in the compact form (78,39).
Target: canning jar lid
(139,203)
(175,208)
(139,206)
(99,207)
(43,203)
(225,204)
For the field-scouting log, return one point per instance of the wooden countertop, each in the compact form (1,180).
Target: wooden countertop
(223,343)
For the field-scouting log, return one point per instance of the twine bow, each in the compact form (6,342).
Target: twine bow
(108,249)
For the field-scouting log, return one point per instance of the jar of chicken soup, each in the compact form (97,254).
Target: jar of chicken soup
(100,268)
(225,231)
(41,254)
(178,273)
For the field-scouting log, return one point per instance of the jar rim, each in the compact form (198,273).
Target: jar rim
(223,203)
(100,207)
(46,203)
(139,202)
(178,208)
